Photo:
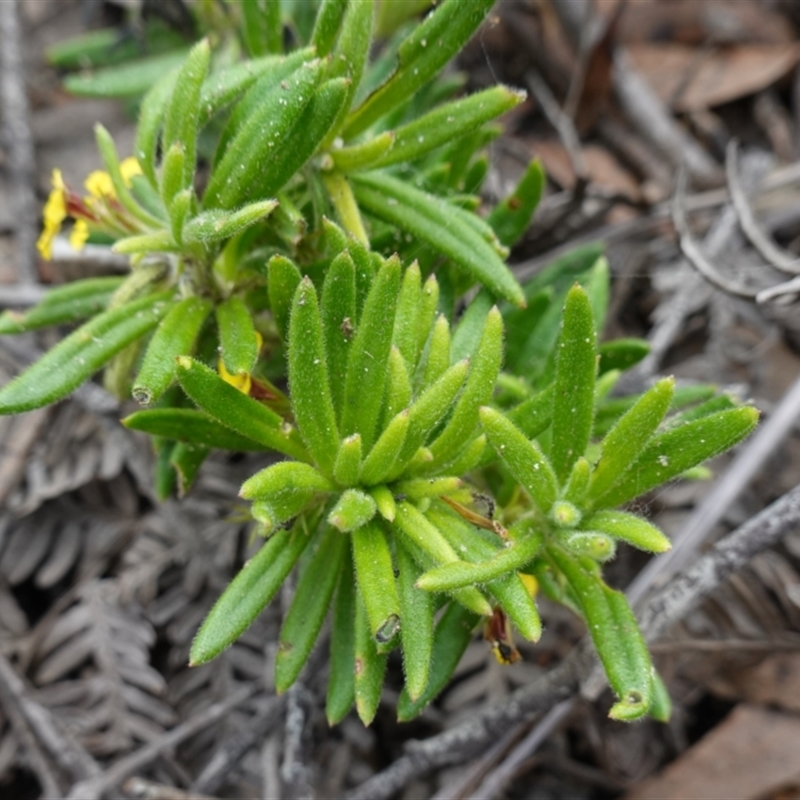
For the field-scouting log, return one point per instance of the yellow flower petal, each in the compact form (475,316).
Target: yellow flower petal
(98,184)
(242,381)
(531,584)
(129,167)
(79,235)
(54,213)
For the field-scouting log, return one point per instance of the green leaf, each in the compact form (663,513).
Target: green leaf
(183,111)
(285,478)
(428,306)
(348,461)
(416,633)
(616,635)
(406,334)
(309,606)
(511,217)
(261,136)
(621,354)
(363,155)
(214,226)
(483,371)
(125,80)
(417,530)
(69,303)
(577,485)
(353,510)
(175,336)
(573,400)
(248,594)
(669,454)
(237,411)
(186,459)
(438,359)
(660,704)
(151,117)
(468,332)
(597,546)
(509,590)
(398,387)
(630,528)
(626,440)
(462,573)
(338,309)
(341,675)
(327,24)
(76,358)
(376,581)
(369,354)
(237,336)
(351,52)
(453,634)
(535,414)
(370,666)
(444,124)
(188,425)
(427,411)
(146,244)
(283,278)
(378,464)
(420,57)
(524,458)
(262,29)
(308,379)
(445,227)
(384,500)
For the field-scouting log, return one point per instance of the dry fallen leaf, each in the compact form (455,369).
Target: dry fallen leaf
(691,79)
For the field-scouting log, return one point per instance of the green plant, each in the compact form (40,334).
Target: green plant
(437,471)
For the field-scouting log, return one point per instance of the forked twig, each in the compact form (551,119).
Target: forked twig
(693,254)
(770,252)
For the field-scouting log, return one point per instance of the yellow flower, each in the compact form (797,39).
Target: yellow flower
(79,235)
(242,381)
(98,184)
(55,212)
(531,584)
(129,167)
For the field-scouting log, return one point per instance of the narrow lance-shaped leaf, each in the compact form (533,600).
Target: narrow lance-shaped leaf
(524,458)
(181,119)
(237,336)
(282,478)
(509,590)
(261,27)
(407,319)
(237,411)
(510,217)
(442,225)
(468,332)
(309,606)
(573,400)
(616,636)
(174,337)
(416,611)
(426,50)
(210,227)
(308,378)
(453,634)
(351,52)
(151,116)
(398,386)
(69,303)
(621,354)
(259,137)
(370,666)
(363,155)
(626,440)
(186,459)
(376,581)
(283,278)
(188,425)
(327,24)
(444,124)
(462,573)
(427,411)
(82,353)
(429,302)
(367,366)
(438,359)
(341,677)
(483,371)
(338,309)
(248,594)
(629,528)
(416,529)
(381,459)
(671,453)
(348,461)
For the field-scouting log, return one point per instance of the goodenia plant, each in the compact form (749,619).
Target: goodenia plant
(301,228)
